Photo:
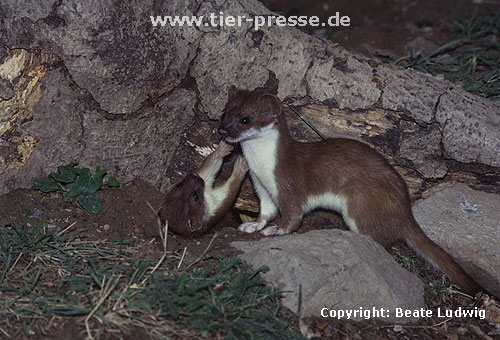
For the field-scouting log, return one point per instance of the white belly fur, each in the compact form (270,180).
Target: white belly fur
(331,202)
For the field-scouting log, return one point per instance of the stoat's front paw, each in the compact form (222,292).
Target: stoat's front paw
(251,227)
(273,230)
(223,149)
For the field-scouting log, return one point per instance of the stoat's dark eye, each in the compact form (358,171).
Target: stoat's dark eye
(245,120)
(196,196)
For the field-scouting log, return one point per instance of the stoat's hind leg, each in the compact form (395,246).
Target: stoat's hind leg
(291,218)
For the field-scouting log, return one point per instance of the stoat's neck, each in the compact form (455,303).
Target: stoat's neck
(261,150)
(211,205)
(261,156)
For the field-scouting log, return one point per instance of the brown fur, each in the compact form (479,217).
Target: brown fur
(377,196)
(185,204)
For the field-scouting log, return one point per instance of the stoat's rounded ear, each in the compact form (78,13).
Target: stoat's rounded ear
(269,104)
(231,92)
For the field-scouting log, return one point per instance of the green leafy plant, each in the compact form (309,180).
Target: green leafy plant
(77,182)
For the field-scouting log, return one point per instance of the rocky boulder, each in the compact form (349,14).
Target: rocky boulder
(466,223)
(337,270)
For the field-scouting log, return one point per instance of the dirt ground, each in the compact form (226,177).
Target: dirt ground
(382,28)
(379,27)
(126,213)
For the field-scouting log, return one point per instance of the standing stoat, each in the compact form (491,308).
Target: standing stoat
(193,206)
(337,174)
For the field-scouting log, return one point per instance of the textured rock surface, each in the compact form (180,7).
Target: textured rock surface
(66,129)
(413,91)
(118,71)
(471,128)
(466,223)
(345,79)
(335,269)
(109,47)
(424,150)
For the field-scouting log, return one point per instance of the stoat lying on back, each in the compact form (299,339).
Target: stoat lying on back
(193,206)
(339,174)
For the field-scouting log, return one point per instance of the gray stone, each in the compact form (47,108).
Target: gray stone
(471,127)
(345,79)
(420,47)
(67,131)
(214,67)
(413,91)
(424,150)
(470,124)
(466,223)
(336,269)
(110,48)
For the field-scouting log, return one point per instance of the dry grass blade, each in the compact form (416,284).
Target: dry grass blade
(423,327)
(182,257)
(109,287)
(15,262)
(66,229)
(4,332)
(164,239)
(204,252)
(125,290)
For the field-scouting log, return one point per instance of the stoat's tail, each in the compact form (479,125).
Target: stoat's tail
(440,259)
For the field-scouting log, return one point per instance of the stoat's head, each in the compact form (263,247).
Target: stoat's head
(184,207)
(247,113)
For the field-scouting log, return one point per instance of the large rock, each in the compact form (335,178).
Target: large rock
(466,223)
(336,269)
(117,70)
(471,128)
(59,126)
(109,47)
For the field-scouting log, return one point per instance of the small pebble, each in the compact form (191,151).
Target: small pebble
(398,328)
(35,213)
